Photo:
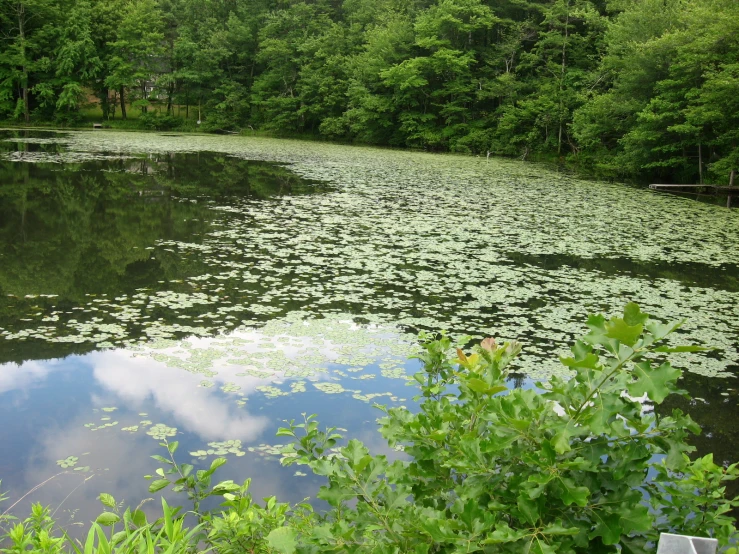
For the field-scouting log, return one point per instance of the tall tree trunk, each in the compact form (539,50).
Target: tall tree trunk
(562,79)
(24,68)
(732,175)
(26,108)
(104,96)
(700,163)
(122,95)
(170,93)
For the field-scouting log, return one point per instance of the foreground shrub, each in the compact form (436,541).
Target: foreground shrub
(579,465)
(563,470)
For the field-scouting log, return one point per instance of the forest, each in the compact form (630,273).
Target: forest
(644,90)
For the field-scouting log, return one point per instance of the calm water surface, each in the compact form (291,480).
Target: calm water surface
(205,290)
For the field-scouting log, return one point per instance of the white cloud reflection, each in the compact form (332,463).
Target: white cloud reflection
(139,383)
(163,381)
(20,378)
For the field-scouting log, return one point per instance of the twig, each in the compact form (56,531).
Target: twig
(34,489)
(86,479)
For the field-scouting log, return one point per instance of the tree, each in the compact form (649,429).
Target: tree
(29,28)
(276,91)
(667,70)
(77,62)
(137,51)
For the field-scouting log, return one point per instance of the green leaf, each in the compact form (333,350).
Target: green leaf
(477,385)
(439,435)
(529,509)
(226,486)
(623,332)
(558,529)
(107,519)
(282,540)
(660,330)
(570,493)
(354,451)
(633,314)
(437,529)
(656,383)
(605,408)
(541,480)
(215,464)
(607,526)
(503,533)
(480,386)
(500,440)
(158,485)
(685,348)
(561,440)
(334,494)
(635,518)
(538,546)
(637,545)
(589,361)
(107,500)
(676,458)
(139,518)
(597,334)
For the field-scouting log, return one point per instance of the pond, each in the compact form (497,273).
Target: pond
(205,289)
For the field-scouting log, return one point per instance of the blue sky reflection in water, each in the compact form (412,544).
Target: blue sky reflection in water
(99,408)
(214,286)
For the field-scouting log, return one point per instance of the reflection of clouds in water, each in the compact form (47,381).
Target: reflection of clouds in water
(117,467)
(162,379)
(301,350)
(195,409)
(16,378)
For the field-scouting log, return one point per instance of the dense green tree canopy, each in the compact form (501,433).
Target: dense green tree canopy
(642,89)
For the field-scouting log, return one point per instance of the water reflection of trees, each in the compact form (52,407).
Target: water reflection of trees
(77,230)
(72,230)
(218,175)
(80,228)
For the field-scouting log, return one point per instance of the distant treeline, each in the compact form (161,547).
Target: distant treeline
(643,89)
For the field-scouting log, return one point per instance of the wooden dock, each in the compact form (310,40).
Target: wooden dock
(712,189)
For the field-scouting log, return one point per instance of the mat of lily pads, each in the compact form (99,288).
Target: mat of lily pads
(311,298)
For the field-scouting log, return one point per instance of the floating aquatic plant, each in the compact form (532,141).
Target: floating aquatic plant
(329,388)
(298,290)
(69,461)
(230,387)
(220,449)
(161,431)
